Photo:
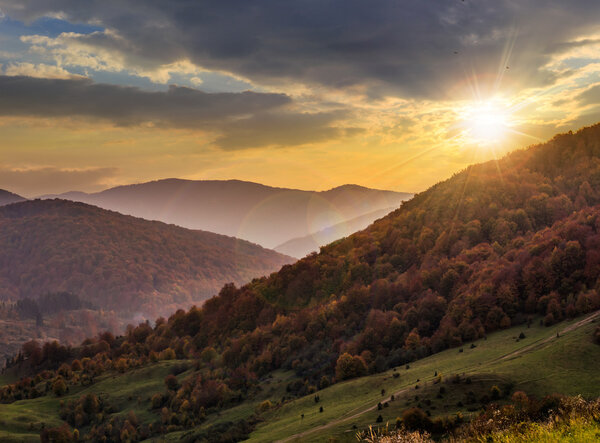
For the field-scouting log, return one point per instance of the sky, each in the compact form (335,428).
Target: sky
(307,94)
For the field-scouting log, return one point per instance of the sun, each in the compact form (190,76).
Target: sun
(486,123)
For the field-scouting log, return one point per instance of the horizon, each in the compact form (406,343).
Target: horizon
(34,196)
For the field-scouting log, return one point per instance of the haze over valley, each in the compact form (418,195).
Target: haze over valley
(250,211)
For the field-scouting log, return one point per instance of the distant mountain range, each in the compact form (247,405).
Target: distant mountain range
(261,214)
(300,247)
(7,198)
(119,262)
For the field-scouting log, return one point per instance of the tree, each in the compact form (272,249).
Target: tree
(57,435)
(171,382)
(413,341)
(348,367)
(59,387)
(76,366)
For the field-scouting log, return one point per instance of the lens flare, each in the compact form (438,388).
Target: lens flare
(486,123)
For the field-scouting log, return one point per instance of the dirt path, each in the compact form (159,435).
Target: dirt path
(340,420)
(528,348)
(543,341)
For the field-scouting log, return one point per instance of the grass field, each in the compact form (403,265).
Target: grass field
(22,420)
(540,364)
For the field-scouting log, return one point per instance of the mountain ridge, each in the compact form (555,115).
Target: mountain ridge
(7,197)
(259,213)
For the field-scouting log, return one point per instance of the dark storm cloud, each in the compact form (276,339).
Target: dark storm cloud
(124,105)
(242,120)
(283,129)
(403,47)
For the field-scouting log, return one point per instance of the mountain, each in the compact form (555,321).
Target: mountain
(116,261)
(299,247)
(254,212)
(7,198)
(511,243)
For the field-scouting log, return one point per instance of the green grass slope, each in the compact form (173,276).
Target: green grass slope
(540,364)
(131,391)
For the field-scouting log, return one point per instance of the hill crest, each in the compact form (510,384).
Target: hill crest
(258,213)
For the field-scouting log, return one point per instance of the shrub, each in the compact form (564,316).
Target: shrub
(265,406)
(495,392)
(171,382)
(167,354)
(415,419)
(325,382)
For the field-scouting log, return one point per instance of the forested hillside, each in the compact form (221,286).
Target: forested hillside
(118,262)
(498,244)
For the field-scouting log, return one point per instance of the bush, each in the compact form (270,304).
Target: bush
(415,419)
(167,354)
(265,406)
(495,392)
(325,382)
(157,401)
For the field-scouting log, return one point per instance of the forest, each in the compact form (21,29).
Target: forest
(113,261)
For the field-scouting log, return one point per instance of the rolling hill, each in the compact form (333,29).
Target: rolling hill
(119,262)
(7,198)
(491,276)
(254,212)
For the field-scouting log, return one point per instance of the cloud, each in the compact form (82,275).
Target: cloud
(590,96)
(283,129)
(390,47)
(46,180)
(177,107)
(40,70)
(239,119)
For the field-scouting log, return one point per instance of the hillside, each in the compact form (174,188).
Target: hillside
(534,365)
(7,198)
(116,261)
(254,212)
(512,243)
(300,247)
